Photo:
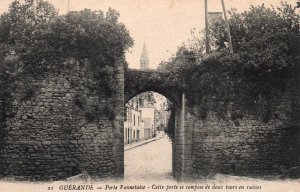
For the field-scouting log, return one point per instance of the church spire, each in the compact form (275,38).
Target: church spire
(144,61)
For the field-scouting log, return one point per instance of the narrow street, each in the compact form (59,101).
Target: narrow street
(150,162)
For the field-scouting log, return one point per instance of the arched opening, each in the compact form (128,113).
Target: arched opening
(149,126)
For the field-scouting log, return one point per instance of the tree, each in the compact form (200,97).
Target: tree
(90,36)
(22,31)
(35,42)
(264,38)
(267,45)
(267,42)
(146,99)
(180,67)
(39,40)
(22,26)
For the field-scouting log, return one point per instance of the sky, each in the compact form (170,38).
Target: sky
(162,24)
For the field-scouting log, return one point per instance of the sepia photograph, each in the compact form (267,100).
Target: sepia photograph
(150,95)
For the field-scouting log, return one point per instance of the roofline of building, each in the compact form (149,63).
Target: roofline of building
(216,12)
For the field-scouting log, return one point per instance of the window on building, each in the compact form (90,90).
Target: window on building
(134,120)
(128,135)
(129,116)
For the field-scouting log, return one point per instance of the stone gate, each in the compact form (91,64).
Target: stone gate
(50,135)
(137,82)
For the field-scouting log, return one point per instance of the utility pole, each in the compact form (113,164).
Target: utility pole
(207,48)
(34,10)
(68,6)
(34,6)
(228,28)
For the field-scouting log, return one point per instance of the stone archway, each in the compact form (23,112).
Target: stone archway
(137,82)
(149,157)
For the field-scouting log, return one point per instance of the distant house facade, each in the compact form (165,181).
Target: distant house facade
(133,124)
(212,17)
(149,119)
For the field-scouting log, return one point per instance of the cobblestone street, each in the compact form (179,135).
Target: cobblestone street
(150,162)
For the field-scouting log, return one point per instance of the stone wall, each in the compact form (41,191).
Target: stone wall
(50,134)
(182,143)
(248,147)
(51,137)
(177,144)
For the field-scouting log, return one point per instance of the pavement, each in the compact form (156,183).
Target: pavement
(151,160)
(143,142)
